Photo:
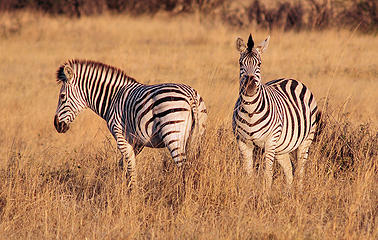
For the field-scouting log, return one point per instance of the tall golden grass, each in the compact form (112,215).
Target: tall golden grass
(68,186)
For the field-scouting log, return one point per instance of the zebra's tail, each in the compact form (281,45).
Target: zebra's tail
(320,125)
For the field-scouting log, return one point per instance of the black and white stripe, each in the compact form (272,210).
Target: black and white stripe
(280,116)
(138,115)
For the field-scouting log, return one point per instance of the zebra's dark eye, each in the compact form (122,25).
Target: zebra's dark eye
(62,96)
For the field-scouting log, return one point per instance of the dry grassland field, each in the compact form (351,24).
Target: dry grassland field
(68,186)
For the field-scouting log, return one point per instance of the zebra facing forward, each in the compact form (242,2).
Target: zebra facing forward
(163,115)
(280,116)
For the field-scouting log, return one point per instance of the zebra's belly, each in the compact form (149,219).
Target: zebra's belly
(148,139)
(260,142)
(287,145)
(155,142)
(259,139)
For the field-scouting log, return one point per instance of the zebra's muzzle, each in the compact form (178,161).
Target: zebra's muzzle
(61,127)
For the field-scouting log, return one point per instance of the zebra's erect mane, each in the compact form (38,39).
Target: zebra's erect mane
(61,77)
(250,43)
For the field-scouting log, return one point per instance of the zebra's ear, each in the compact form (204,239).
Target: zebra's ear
(263,45)
(68,72)
(240,45)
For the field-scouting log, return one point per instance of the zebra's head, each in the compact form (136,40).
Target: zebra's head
(70,101)
(250,62)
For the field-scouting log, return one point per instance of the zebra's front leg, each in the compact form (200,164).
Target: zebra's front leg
(270,149)
(284,161)
(246,153)
(131,168)
(302,155)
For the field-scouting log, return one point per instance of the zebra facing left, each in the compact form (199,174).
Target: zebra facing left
(163,115)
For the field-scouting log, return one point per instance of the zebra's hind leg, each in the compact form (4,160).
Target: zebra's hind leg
(302,155)
(177,150)
(175,141)
(284,161)
(246,153)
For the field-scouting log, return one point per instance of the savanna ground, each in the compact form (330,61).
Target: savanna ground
(68,186)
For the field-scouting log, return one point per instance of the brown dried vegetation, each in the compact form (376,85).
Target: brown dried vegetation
(279,14)
(69,187)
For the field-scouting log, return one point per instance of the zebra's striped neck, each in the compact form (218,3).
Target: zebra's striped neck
(100,83)
(253,103)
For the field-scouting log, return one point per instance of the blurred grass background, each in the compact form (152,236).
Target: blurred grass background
(268,14)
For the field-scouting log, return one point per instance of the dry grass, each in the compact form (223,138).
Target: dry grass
(68,187)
